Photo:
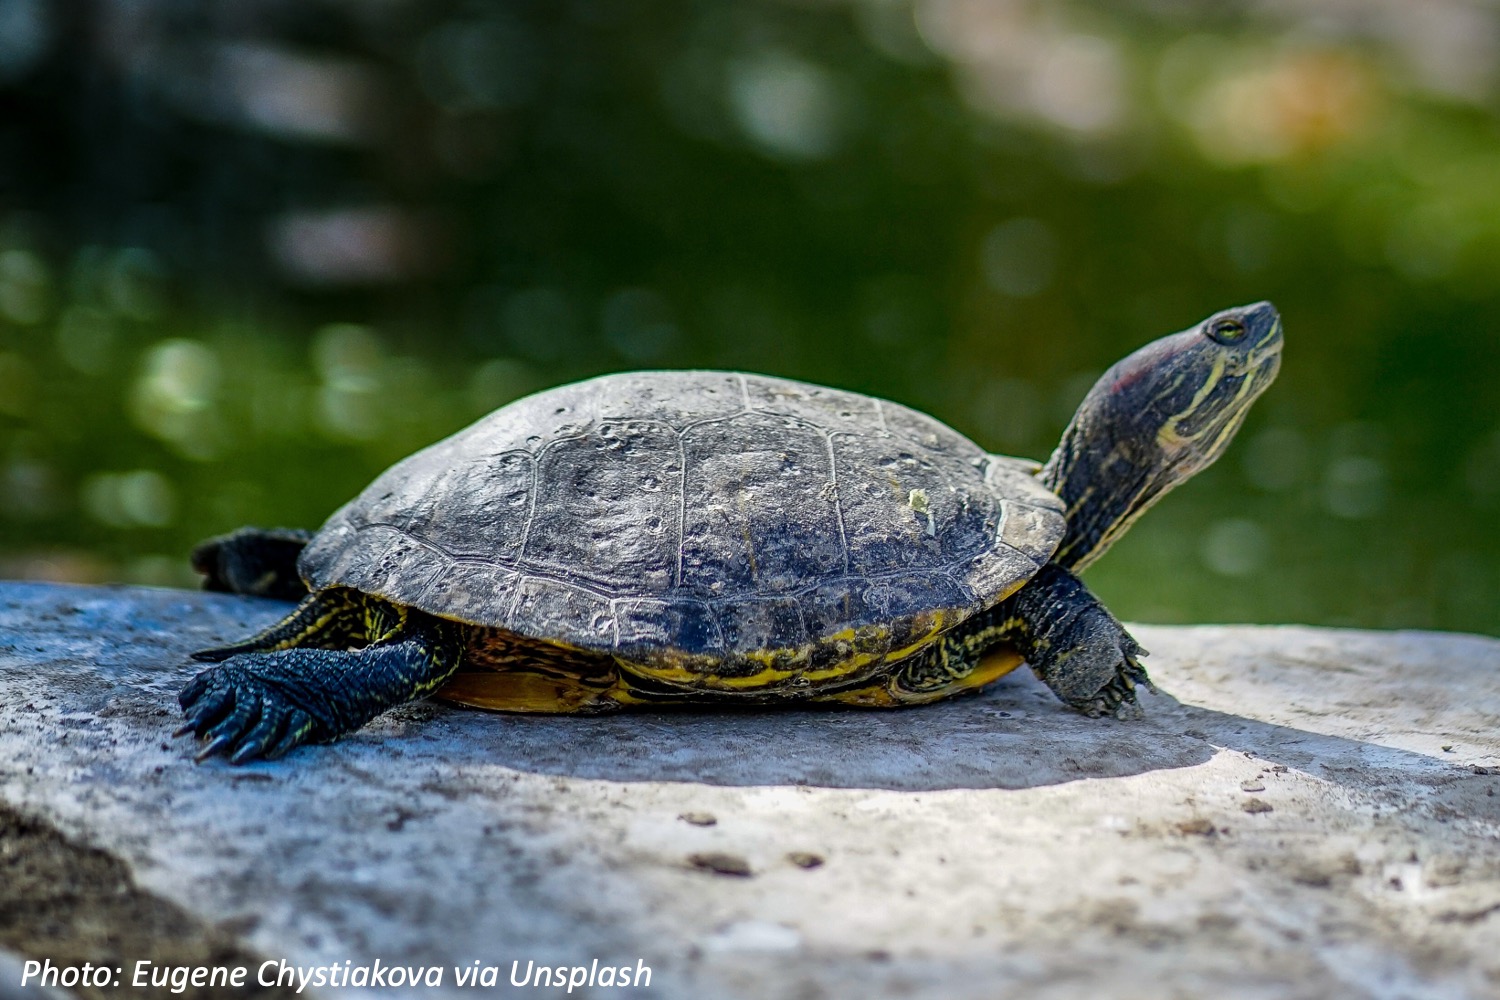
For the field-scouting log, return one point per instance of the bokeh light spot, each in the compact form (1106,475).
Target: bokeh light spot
(142,498)
(1009,410)
(481,65)
(1264,107)
(25,33)
(25,287)
(350,359)
(174,395)
(1019,257)
(789,107)
(29,490)
(1482,470)
(540,324)
(899,310)
(499,381)
(1235,547)
(133,284)
(1354,487)
(1276,459)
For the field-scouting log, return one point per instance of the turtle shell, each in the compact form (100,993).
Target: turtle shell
(715,522)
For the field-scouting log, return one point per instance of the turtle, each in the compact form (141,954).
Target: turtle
(665,538)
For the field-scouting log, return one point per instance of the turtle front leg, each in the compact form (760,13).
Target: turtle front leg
(261,705)
(1075,646)
(254,561)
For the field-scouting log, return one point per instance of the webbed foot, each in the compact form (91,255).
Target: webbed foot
(261,705)
(1117,696)
(246,710)
(1075,646)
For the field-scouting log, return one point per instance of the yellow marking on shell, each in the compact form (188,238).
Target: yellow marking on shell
(506,672)
(623,695)
(882,693)
(780,665)
(877,695)
(526,691)
(514,674)
(843,668)
(693,678)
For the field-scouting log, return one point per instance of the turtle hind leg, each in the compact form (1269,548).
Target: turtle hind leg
(330,619)
(1073,643)
(263,704)
(255,561)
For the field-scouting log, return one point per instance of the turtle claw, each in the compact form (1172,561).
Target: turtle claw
(242,715)
(234,725)
(263,704)
(299,726)
(247,751)
(256,742)
(213,747)
(1117,698)
(204,709)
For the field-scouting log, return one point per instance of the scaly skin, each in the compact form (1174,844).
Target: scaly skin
(262,704)
(1072,642)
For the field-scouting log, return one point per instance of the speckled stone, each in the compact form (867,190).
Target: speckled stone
(998,845)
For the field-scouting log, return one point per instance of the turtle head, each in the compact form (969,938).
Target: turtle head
(1154,419)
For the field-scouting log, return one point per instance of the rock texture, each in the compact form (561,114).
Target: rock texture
(1301,813)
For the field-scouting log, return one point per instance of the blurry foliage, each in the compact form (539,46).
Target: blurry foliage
(252,252)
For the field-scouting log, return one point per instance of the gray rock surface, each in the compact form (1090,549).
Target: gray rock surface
(1307,813)
(12,973)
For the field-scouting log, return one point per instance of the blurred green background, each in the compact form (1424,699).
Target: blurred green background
(253,251)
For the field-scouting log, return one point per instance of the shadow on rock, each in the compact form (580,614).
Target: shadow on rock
(118,656)
(1014,736)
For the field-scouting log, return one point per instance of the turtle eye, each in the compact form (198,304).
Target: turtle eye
(1226,331)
